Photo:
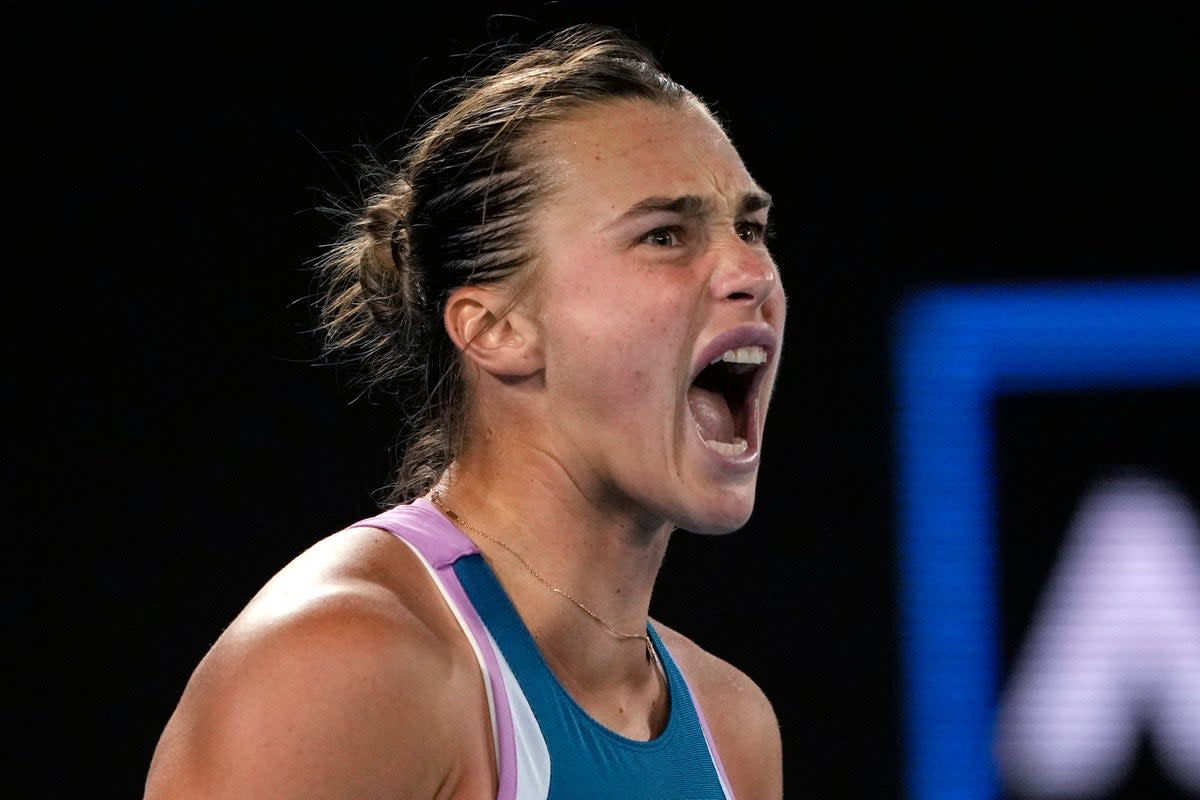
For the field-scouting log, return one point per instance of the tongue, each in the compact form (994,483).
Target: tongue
(712,414)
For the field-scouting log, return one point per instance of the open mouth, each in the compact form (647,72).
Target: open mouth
(720,399)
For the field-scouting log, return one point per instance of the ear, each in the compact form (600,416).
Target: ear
(493,332)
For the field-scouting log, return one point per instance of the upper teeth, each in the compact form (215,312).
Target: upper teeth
(744,355)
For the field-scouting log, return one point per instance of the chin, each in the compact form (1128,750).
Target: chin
(720,517)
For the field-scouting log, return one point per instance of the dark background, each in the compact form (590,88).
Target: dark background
(174,443)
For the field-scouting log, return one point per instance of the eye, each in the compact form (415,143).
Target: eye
(751,232)
(666,236)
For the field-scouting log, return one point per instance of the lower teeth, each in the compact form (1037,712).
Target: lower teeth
(734,448)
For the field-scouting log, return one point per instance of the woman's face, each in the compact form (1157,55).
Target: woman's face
(652,265)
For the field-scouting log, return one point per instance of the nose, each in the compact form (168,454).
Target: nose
(745,275)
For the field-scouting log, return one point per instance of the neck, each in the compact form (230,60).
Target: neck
(602,560)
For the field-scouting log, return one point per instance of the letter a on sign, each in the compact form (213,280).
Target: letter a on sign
(1113,650)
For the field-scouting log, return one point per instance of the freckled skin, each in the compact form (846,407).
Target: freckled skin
(624,321)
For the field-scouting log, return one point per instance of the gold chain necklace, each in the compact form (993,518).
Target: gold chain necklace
(462,523)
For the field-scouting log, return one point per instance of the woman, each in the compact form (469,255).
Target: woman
(568,275)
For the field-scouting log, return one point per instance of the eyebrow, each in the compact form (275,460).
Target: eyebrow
(691,205)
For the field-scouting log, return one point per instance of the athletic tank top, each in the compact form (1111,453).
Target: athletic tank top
(547,747)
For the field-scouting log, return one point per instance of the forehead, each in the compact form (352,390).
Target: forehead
(613,155)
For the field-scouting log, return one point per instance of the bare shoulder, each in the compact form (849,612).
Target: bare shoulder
(345,676)
(739,714)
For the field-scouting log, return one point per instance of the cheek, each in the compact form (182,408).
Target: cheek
(777,305)
(628,385)
(623,346)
